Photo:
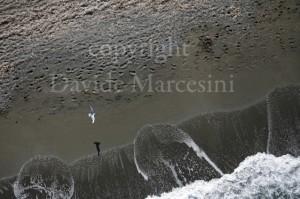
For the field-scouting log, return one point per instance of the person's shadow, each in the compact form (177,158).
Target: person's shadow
(98,147)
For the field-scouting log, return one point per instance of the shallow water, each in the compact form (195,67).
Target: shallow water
(259,176)
(69,134)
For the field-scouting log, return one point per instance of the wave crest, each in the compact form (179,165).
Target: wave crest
(258,176)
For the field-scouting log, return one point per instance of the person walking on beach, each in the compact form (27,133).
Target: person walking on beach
(98,147)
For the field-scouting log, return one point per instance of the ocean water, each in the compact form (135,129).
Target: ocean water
(260,176)
(212,155)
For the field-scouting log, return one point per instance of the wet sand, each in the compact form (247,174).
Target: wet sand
(69,134)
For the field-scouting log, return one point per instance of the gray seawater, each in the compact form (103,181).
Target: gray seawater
(260,176)
(165,156)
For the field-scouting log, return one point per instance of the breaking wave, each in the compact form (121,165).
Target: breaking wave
(259,176)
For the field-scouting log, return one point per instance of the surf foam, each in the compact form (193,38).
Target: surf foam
(259,176)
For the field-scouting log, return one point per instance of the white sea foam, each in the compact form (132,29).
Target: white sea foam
(172,168)
(259,176)
(140,171)
(200,153)
(166,134)
(47,176)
